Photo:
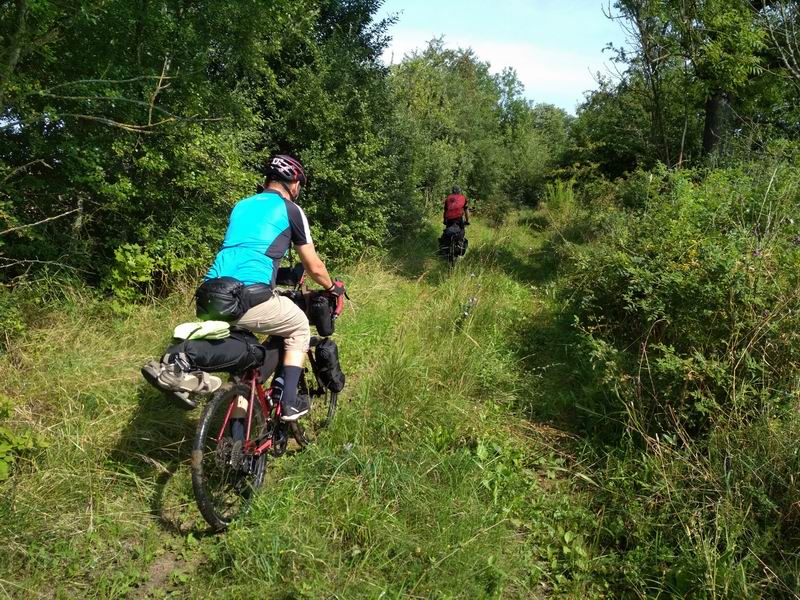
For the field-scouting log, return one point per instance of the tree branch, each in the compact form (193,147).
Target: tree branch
(24,167)
(69,212)
(159,86)
(109,81)
(32,261)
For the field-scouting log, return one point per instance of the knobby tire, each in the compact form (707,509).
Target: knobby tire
(223,478)
(323,408)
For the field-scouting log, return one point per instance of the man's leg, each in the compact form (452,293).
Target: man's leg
(280,316)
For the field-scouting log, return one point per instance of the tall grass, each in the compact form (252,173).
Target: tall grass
(428,484)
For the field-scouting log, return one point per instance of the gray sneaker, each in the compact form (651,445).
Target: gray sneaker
(178,384)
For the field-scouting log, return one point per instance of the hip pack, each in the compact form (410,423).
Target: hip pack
(227,298)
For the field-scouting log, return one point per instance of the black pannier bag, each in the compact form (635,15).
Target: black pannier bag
(328,367)
(234,354)
(320,314)
(318,307)
(220,299)
(453,231)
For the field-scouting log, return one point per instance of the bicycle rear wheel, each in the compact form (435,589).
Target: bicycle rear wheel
(224,476)
(452,254)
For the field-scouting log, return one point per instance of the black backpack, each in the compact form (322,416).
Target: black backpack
(330,371)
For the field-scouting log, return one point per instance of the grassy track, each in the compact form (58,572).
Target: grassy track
(438,478)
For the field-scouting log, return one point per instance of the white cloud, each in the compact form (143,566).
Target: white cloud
(554,76)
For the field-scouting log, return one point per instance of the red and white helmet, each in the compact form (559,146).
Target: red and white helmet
(282,167)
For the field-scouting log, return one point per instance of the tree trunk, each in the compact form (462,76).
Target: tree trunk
(14,50)
(715,118)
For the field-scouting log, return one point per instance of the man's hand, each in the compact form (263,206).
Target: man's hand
(337,288)
(337,291)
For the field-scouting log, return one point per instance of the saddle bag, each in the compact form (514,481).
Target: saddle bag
(236,353)
(326,355)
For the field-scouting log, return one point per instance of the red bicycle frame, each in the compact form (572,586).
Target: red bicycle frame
(258,391)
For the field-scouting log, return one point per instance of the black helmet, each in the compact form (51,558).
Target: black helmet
(282,167)
(456,189)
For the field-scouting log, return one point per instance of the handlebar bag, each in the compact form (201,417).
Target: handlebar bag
(326,355)
(289,276)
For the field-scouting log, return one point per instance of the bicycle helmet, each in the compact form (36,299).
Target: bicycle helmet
(456,189)
(283,169)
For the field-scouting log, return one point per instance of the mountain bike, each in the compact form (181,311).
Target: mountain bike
(453,248)
(226,472)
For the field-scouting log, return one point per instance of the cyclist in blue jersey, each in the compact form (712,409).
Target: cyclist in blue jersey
(261,229)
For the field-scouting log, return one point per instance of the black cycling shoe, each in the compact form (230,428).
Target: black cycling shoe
(294,410)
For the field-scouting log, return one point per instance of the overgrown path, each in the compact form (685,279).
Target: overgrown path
(439,477)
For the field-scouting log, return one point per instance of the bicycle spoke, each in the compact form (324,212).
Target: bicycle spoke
(224,474)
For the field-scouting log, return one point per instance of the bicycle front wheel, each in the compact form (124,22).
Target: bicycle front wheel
(225,476)
(323,408)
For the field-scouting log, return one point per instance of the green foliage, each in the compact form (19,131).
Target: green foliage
(12,320)
(559,204)
(701,82)
(132,267)
(689,303)
(467,127)
(14,443)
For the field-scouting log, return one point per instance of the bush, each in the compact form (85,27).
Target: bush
(13,443)
(689,304)
(12,322)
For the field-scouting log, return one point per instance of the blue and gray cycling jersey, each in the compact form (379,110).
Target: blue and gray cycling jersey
(260,231)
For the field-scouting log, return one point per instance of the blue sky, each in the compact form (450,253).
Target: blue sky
(556,46)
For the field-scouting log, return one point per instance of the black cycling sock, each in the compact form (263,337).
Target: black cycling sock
(291,377)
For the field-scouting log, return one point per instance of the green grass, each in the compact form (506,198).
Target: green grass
(441,476)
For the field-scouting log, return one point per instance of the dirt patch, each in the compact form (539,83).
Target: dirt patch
(158,576)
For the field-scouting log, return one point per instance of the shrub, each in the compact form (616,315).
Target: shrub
(689,305)
(13,443)
(12,322)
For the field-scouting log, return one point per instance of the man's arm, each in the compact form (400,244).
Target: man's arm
(314,266)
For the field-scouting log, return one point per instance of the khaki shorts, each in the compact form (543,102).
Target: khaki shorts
(279,316)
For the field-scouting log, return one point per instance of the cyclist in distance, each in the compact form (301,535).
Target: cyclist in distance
(260,232)
(456,209)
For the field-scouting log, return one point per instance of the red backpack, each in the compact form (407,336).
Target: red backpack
(454,206)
